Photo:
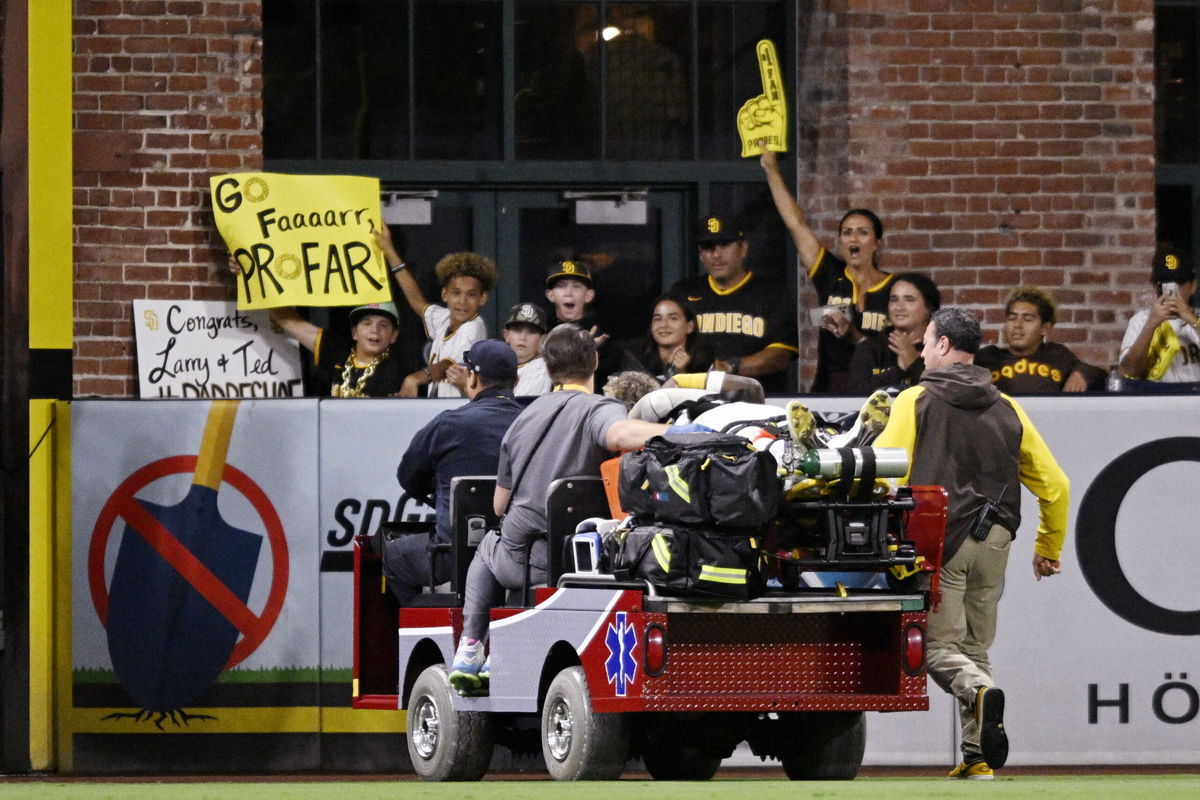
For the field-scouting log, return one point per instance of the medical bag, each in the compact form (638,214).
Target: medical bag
(688,561)
(710,479)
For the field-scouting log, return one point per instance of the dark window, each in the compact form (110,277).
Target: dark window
(556,100)
(364,79)
(290,79)
(1175,74)
(1175,216)
(458,60)
(430,79)
(728,73)
(646,50)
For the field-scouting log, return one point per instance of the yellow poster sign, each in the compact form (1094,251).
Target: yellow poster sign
(764,118)
(302,240)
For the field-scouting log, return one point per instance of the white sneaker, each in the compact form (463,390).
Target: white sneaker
(468,660)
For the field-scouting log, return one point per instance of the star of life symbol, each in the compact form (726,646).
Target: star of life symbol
(620,667)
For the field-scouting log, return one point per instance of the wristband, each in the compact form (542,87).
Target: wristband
(398,267)
(428,374)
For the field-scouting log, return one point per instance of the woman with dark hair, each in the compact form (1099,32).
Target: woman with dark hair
(852,288)
(894,357)
(674,343)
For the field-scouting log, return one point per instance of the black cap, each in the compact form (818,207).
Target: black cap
(716,230)
(1171,264)
(491,358)
(528,314)
(580,270)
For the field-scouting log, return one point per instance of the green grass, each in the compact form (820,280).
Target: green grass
(1105,787)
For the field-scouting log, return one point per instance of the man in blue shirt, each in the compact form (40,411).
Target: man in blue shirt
(460,441)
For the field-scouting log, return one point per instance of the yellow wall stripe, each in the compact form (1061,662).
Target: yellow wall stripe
(63,586)
(42,582)
(50,182)
(290,719)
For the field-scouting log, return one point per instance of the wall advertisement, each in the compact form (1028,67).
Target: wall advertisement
(211,584)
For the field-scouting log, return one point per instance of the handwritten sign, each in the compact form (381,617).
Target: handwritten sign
(302,239)
(195,348)
(765,117)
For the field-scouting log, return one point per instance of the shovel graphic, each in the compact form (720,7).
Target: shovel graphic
(177,599)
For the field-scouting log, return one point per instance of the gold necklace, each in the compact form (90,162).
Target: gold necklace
(346,390)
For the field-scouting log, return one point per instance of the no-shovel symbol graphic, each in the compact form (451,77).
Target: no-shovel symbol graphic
(177,602)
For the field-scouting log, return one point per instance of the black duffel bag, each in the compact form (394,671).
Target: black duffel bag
(689,562)
(711,479)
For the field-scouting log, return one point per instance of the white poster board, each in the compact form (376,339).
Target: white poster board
(210,349)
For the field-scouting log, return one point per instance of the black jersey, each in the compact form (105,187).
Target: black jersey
(874,366)
(334,349)
(753,315)
(835,287)
(1044,371)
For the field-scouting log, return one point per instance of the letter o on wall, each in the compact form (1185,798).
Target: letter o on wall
(1096,536)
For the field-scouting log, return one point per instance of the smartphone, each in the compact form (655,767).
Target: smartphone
(1170,288)
(818,314)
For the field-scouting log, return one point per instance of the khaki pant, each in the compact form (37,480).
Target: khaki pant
(962,629)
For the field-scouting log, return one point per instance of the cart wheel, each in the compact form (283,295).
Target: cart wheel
(823,745)
(670,761)
(579,744)
(444,744)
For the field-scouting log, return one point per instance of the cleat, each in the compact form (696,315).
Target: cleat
(464,672)
(802,425)
(874,416)
(870,421)
(989,713)
(979,771)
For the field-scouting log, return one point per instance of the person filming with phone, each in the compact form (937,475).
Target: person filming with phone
(1162,342)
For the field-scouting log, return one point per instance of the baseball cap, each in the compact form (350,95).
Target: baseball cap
(527,313)
(580,270)
(491,358)
(387,309)
(1171,264)
(714,230)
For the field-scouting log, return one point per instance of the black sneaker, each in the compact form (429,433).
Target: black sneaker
(989,713)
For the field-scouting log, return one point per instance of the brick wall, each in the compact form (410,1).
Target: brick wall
(1002,142)
(167,92)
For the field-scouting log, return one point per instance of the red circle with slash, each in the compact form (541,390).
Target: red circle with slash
(122,503)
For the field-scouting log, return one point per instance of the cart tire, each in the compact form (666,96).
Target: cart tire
(444,744)
(824,746)
(668,761)
(579,744)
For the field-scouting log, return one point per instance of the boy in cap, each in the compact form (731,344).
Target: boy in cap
(1030,364)
(570,289)
(466,279)
(523,332)
(749,321)
(1162,342)
(358,365)
(461,441)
